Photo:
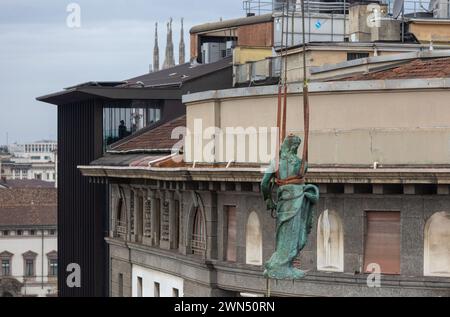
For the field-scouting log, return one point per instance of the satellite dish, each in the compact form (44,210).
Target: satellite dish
(398,8)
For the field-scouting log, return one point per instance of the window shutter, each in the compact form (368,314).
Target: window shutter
(382,243)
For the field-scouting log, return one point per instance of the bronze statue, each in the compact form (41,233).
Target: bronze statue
(295,201)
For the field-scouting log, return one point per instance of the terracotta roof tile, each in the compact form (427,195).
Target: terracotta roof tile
(418,68)
(28,207)
(159,138)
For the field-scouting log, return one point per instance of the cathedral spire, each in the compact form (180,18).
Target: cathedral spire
(156,51)
(169,59)
(182,51)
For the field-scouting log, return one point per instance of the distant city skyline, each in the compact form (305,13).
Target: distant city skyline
(40,54)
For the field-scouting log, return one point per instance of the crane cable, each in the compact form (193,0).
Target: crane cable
(282,107)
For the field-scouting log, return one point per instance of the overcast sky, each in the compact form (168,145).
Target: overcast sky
(40,54)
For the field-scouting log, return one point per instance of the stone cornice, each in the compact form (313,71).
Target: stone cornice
(315,175)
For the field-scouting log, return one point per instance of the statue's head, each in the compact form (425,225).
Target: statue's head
(291,145)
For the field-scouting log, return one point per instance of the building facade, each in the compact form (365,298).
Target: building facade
(28,239)
(199,217)
(94,118)
(184,222)
(31,161)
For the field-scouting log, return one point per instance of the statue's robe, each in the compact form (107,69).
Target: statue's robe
(294,219)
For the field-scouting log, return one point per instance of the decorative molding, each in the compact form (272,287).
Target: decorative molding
(30,255)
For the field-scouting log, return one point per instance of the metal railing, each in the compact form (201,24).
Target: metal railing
(121,229)
(198,245)
(412,8)
(262,7)
(422,8)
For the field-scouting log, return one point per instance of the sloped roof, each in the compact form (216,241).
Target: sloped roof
(28,216)
(164,84)
(21,207)
(180,74)
(159,138)
(418,68)
(146,147)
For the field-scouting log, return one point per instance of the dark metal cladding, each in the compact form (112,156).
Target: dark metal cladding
(81,205)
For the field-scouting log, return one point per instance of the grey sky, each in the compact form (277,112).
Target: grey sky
(39,54)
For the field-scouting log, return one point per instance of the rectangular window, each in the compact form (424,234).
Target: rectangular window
(29,268)
(19,232)
(6,269)
(139,287)
(120,285)
(176,233)
(353,56)
(175,292)
(6,233)
(53,267)
(231,233)
(156,290)
(122,119)
(382,242)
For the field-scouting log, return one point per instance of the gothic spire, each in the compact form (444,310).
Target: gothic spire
(156,51)
(182,51)
(169,59)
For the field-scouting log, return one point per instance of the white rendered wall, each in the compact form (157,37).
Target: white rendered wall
(18,245)
(149,277)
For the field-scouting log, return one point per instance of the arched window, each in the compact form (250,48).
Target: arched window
(437,245)
(253,244)
(330,243)
(198,242)
(121,224)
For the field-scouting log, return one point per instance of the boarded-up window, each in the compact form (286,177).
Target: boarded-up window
(382,242)
(437,245)
(231,233)
(254,240)
(330,242)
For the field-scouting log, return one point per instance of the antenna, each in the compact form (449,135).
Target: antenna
(398,8)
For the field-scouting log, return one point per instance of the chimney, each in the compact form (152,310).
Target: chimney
(169,60)
(182,50)
(156,51)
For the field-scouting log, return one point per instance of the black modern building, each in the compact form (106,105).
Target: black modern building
(91,117)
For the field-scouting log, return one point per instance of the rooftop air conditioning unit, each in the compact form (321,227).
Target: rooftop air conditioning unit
(211,53)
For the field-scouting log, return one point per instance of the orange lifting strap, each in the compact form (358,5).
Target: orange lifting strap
(282,114)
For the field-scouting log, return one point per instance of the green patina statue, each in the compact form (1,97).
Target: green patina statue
(295,201)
